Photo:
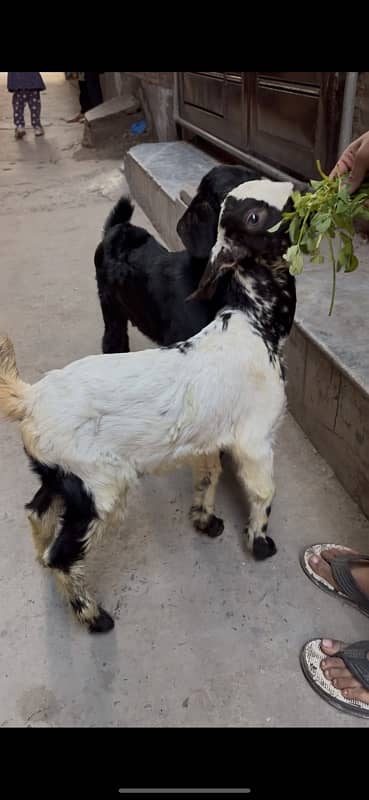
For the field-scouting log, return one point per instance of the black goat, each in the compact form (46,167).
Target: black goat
(141,282)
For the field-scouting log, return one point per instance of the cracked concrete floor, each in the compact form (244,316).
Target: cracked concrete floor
(204,635)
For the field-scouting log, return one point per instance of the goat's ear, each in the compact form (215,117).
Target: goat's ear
(198,228)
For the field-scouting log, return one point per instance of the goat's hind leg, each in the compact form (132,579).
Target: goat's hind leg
(206,472)
(66,554)
(44,513)
(256,475)
(66,558)
(115,338)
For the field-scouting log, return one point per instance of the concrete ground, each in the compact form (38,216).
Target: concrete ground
(204,635)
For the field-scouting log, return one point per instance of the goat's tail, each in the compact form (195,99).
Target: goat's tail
(12,388)
(121,213)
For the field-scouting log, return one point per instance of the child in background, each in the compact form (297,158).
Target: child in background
(26,88)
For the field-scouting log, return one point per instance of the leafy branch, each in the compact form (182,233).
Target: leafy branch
(326,213)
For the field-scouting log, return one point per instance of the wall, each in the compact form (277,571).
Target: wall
(361,112)
(158,91)
(333,411)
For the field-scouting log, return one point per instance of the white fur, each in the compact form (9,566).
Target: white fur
(110,418)
(275,193)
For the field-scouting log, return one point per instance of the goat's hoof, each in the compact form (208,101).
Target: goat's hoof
(214,527)
(263,547)
(101,624)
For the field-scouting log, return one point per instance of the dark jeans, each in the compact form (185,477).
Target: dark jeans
(90,94)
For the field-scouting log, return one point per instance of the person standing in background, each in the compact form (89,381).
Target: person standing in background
(26,88)
(90,94)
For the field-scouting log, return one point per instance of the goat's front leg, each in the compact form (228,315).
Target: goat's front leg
(256,476)
(206,472)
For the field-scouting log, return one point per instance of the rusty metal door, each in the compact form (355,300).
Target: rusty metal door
(289,119)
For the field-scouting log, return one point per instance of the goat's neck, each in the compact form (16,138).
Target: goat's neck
(268,298)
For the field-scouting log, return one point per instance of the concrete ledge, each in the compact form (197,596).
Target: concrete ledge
(327,357)
(156,174)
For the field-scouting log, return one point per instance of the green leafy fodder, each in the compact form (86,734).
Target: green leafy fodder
(326,213)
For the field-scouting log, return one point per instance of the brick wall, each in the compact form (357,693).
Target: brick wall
(361,112)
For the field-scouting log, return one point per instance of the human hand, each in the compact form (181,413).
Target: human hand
(354,159)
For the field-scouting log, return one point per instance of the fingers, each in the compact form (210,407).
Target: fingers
(354,159)
(360,167)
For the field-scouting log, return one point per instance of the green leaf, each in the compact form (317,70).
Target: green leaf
(353,264)
(344,258)
(341,207)
(322,222)
(345,238)
(315,184)
(311,241)
(293,229)
(294,259)
(276,227)
(363,213)
(317,259)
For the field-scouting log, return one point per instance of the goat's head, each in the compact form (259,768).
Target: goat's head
(198,226)
(247,214)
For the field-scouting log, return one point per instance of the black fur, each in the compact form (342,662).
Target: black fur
(79,512)
(214,526)
(225,319)
(198,226)
(139,281)
(103,623)
(263,547)
(257,257)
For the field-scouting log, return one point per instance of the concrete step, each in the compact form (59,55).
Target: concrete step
(156,173)
(108,120)
(328,357)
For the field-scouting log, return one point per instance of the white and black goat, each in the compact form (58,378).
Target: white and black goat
(141,282)
(96,426)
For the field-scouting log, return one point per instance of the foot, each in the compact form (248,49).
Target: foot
(78,118)
(39,131)
(321,566)
(337,673)
(101,624)
(206,523)
(263,547)
(19,133)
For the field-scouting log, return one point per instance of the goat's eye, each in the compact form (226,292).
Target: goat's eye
(253,218)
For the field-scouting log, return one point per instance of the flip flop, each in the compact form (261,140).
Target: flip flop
(349,591)
(355,658)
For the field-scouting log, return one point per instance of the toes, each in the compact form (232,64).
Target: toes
(356,694)
(331,646)
(332,664)
(347,683)
(335,552)
(321,568)
(336,672)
